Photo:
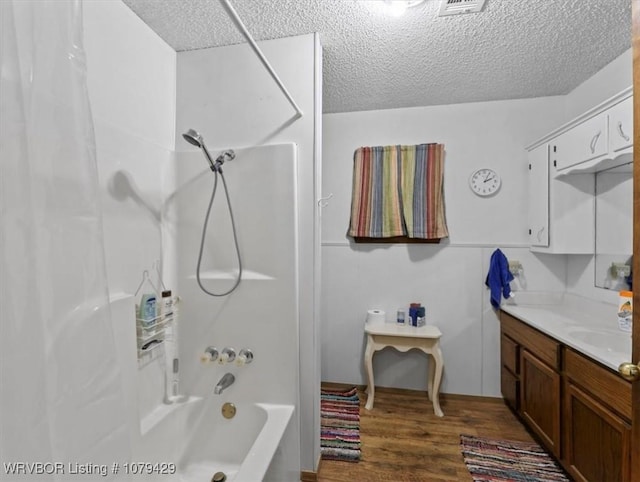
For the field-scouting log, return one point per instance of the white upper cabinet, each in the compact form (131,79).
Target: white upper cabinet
(561,206)
(539,196)
(584,142)
(599,139)
(621,126)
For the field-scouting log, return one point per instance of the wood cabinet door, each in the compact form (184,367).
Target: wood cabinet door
(540,400)
(509,370)
(597,442)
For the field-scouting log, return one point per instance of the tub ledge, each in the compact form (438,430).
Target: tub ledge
(259,458)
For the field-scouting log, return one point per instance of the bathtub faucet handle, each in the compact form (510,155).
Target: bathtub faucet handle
(227,356)
(210,354)
(244,357)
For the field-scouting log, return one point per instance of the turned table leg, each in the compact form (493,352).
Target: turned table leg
(438,363)
(368,365)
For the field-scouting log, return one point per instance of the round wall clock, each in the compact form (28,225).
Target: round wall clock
(484,182)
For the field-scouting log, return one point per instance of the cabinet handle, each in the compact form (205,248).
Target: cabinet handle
(622,134)
(594,141)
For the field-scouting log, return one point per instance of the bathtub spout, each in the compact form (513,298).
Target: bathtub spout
(225,382)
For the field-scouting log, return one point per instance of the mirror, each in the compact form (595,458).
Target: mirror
(614,227)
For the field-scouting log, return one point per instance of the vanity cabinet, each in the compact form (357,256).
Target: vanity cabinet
(561,211)
(579,410)
(532,386)
(597,411)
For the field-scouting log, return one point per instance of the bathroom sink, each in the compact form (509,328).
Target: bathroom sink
(611,341)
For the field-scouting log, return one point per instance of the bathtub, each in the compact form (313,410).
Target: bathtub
(195,437)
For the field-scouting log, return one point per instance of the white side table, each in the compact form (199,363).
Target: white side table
(404,338)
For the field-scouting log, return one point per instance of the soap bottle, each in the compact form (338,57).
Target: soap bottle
(147,312)
(625,311)
(166,306)
(420,316)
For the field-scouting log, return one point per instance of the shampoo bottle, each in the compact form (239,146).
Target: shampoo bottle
(166,306)
(147,309)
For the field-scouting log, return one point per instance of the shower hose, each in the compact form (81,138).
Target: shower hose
(204,235)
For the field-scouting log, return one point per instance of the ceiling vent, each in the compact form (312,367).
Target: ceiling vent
(458,7)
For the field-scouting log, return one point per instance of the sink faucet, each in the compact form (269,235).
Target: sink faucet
(225,382)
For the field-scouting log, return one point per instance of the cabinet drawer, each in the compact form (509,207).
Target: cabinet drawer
(610,388)
(510,387)
(509,354)
(546,349)
(621,125)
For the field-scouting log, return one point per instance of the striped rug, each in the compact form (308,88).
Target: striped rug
(490,460)
(340,425)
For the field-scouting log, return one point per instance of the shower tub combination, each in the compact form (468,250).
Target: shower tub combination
(261,441)
(201,442)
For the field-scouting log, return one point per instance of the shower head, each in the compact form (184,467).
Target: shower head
(192,137)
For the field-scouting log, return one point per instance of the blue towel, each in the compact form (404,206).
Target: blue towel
(498,278)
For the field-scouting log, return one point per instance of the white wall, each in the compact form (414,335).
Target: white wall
(131,79)
(226,94)
(613,78)
(447,278)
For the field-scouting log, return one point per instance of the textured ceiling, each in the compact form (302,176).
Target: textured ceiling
(512,49)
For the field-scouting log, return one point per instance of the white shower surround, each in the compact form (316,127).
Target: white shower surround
(262,313)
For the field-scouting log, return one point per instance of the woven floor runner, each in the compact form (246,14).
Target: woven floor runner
(491,460)
(340,425)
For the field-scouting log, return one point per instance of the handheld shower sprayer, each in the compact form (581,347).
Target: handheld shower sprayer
(194,138)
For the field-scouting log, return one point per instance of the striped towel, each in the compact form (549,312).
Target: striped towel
(398,191)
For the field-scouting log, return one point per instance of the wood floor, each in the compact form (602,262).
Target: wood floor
(402,440)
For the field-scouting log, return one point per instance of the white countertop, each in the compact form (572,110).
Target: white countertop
(588,326)
(395,329)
